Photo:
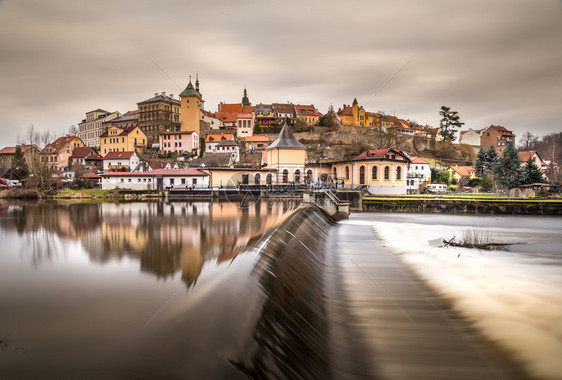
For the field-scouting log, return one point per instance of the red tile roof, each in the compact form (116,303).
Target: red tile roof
(463,171)
(12,149)
(82,152)
(257,138)
(379,154)
(525,155)
(117,155)
(218,138)
(417,160)
(60,143)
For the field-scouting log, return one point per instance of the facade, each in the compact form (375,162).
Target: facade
(419,174)
(157,114)
(307,113)
(56,155)
(382,171)
(462,172)
(355,115)
(287,156)
(244,125)
(120,161)
(227,178)
(190,109)
(211,141)
(159,179)
(256,143)
(212,120)
(230,147)
(497,136)
(182,142)
(284,111)
(84,156)
(8,153)
(264,115)
(228,113)
(471,137)
(117,139)
(525,155)
(91,128)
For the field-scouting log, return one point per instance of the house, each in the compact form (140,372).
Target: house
(497,136)
(525,155)
(120,161)
(244,125)
(212,140)
(287,155)
(381,171)
(91,128)
(256,143)
(264,115)
(284,111)
(182,142)
(154,164)
(419,173)
(462,172)
(471,137)
(8,153)
(307,113)
(157,114)
(117,139)
(159,179)
(56,155)
(84,156)
(355,115)
(213,160)
(212,120)
(230,147)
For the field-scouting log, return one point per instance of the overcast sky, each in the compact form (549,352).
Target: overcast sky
(495,62)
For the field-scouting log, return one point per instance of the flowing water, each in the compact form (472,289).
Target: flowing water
(513,297)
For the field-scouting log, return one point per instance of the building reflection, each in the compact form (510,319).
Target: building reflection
(166,238)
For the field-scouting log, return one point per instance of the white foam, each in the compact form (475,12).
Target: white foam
(512,299)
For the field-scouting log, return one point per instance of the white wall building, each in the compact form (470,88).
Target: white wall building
(230,147)
(244,125)
(91,128)
(160,179)
(419,173)
(470,137)
(119,160)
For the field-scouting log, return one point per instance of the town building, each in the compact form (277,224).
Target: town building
(211,141)
(120,161)
(356,115)
(264,115)
(230,147)
(284,111)
(159,179)
(211,120)
(464,173)
(307,113)
(287,156)
(154,164)
(525,155)
(419,174)
(244,125)
(256,143)
(86,157)
(182,142)
(157,114)
(231,178)
(56,155)
(117,139)
(91,128)
(497,136)
(213,160)
(471,137)
(8,153)
(190,108)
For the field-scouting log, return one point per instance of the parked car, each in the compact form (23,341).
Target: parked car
(6,183)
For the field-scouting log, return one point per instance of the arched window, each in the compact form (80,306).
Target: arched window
(257,179)
(309,175)
(297,176)
(347,172)
(386,172)
(285,176)
(399,173)
(361,175)
(268,179)
(374,173)
(335,173)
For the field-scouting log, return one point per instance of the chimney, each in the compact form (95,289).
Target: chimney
(155,94)
(163,93)
(172,96)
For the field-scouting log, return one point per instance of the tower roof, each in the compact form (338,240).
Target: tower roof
(286,140)
(354,101)
(190,90)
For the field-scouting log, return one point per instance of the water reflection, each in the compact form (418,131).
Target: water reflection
(164,237)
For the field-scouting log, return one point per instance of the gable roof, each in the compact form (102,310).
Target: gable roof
(60,143)
(124,132)
(12,149)
(378,154)
(212,160)
(286,140)
(417,160)
(118,155)
(9,173)
(82,152)
(218,138)
(525,155)
(463,171)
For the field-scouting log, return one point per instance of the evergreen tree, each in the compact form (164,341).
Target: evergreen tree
(531,172)
(493,159)
(449,123)
(508,170)
(19,164)
(481,162)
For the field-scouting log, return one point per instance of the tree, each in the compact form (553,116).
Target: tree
(449,123)
(531,172)
(527,141)
(19,164)
(73,130)
(39,172)
(486,161)
(508,171)
(257,128)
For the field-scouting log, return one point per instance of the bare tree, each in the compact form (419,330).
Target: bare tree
(73,130)
(39,171)
(527,141)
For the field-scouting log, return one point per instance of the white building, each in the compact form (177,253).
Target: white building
(114,161)
(229,146)
(214,122)
(91,128)
(419,173)
(244,125)
(160,179)
(470,137)
(211,141)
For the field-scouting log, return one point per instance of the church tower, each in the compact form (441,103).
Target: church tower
(245,99)
(190,108)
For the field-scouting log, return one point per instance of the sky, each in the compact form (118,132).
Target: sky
(494,62)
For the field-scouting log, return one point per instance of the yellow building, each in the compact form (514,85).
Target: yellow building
(190,108)
(117,139)
(287,156)
(228,178)
(460,172)
(356,115)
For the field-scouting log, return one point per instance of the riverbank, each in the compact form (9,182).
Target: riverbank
(483,204)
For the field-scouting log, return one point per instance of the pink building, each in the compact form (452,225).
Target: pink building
(179,141)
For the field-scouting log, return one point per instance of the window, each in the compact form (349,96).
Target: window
(285,176)
(335,173)
(362,175)
(386,172)
(268,179)
(399,173)
(194,181)
(257,179)
(347,172)
(374,173)
(183,181)
(297,176)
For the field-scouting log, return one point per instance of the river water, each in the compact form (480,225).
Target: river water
(201,290)
(512,297)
